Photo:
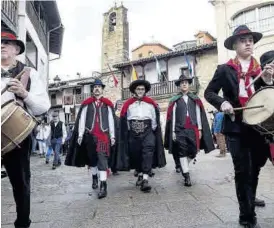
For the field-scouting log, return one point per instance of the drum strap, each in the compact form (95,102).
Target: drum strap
(25,80)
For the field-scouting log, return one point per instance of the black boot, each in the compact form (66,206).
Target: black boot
(259,203)
(139,181)
(145,187)
(94,181)
(187,179)
(103,190)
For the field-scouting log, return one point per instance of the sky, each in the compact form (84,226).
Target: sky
(165,21)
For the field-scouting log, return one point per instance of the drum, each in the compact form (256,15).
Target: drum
(16,125)
(262,119)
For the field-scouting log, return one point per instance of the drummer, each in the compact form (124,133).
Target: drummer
(31,92)
(232,78)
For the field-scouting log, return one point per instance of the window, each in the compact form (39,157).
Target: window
(78,91)
(185,71)
(53,99)
(31,53)
(163,76)
(259,19)
(112,22)
(140,55)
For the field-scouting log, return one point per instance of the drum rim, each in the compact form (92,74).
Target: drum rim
(263,88)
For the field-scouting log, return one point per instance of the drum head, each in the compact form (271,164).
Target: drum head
(264,97)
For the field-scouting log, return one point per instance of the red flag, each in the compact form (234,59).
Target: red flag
(115,79)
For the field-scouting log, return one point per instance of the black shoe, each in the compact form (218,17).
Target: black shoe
(3,174)
(94,181)
(139,181)
(151,174)
(59,164)
(47,162)
(259,203)
(103,190)
(187,179)
(115,173)
(243,222)
(252,225)
(145,187)
(53,166)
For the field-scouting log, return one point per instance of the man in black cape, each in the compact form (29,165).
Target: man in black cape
(141,144)
(93,136)
(187,128)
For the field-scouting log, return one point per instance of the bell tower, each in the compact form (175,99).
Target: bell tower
(115,37)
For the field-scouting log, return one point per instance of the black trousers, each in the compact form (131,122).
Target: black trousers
(141,151)
(99,159)
(17,165)
(186,141)
(248,158)
(175,154)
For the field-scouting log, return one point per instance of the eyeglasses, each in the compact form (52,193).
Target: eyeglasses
(140,89)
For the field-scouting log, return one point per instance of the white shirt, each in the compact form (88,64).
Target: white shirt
(37,101)
(140,110)
(82,122)
(198,113)
(43,132)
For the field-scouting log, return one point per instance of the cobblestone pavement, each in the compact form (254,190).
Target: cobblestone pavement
(60,198)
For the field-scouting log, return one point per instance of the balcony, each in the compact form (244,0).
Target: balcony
(39,25)
(158,90)
(9,13)
(79,98)
(161,90)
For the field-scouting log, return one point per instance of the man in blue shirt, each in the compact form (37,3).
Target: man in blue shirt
(217,129)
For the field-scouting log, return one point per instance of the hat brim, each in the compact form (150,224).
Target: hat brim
(178,82)
(19,43)
(103,86)
(267,62)
(138,82)
(231,40)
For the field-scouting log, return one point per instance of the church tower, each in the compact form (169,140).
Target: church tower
(115,37)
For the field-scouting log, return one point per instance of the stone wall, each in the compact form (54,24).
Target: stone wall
(205,67)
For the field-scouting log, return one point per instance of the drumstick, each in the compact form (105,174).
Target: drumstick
(255,79)
(18,76)
(251,107)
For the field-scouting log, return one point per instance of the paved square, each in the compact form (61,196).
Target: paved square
(60,198)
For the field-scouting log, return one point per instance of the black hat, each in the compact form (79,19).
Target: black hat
(97,81)
(183,78)
(9,35)
(239,31)
(138,82)
(266,58)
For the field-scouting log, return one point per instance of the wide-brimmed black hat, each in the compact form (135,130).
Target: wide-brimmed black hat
(266,58)
(183,78)
(9,35)
(240,31)
(97,81)
(138,82)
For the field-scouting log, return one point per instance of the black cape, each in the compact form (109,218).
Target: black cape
(206,141)
(123,154)
(77,155)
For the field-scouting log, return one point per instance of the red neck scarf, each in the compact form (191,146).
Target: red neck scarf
(253,71)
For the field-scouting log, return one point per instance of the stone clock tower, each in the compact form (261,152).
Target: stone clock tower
(115,38)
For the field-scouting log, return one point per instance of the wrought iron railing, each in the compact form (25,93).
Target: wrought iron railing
(9,12)
(157,89)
